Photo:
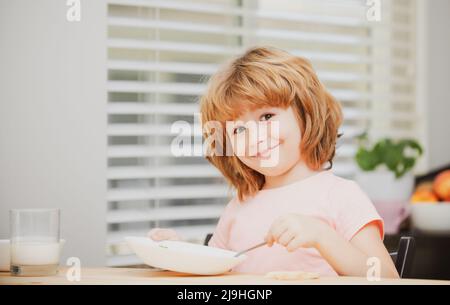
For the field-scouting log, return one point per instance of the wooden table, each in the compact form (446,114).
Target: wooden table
(134,276)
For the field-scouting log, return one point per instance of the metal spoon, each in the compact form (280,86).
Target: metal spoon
(254,247)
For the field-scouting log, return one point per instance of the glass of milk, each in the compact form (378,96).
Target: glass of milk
(35,241)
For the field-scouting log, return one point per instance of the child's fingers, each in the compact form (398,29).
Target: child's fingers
(277,230)
(286,237)
(269,240)
(155,234)
(171,234)
(162,234)
(294,244)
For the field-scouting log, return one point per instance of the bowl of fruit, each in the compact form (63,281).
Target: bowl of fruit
(430,205)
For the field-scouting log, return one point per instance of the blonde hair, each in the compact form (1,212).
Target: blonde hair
(266,76)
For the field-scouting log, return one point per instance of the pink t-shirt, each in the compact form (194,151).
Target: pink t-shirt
(337,201)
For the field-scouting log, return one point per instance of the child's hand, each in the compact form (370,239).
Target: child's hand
(158,234)
(294,231)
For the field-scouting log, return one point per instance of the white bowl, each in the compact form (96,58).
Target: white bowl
(429,217)
(184,257)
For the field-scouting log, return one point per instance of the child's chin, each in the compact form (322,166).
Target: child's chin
(272,171)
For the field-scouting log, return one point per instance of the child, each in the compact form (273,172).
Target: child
(311,219)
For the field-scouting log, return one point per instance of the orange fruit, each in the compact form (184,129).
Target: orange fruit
(424,196)
(427,185)
(441,185)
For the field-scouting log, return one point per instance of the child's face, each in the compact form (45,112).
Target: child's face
(266,140)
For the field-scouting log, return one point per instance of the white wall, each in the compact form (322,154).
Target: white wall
(52,118)
(434,79)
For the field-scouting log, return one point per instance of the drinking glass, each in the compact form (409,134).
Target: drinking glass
(35,241)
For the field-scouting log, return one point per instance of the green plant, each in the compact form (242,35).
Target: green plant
(398,156)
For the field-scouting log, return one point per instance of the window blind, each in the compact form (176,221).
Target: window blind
(160,53)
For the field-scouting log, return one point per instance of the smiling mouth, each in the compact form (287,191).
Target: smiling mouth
(266,153)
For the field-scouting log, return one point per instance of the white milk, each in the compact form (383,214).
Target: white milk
(35,253)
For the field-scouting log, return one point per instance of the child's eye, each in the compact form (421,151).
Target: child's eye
(239,129)
(267,116)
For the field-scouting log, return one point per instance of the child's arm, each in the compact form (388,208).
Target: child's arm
(350,258)
(346,257)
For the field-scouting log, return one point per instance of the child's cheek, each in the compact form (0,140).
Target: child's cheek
(291,135)
(237,145)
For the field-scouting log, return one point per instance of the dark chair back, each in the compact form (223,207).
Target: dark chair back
(207,238)
(404,256)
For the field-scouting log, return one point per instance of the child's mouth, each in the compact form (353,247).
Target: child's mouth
(266,153)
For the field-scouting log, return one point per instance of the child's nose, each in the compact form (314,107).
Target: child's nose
(259,133)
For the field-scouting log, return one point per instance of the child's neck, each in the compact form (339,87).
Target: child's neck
(298,172)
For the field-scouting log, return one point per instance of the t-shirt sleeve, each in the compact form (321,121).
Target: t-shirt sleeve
(222,231)
(353,210)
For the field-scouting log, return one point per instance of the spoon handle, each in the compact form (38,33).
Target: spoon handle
(249,249)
